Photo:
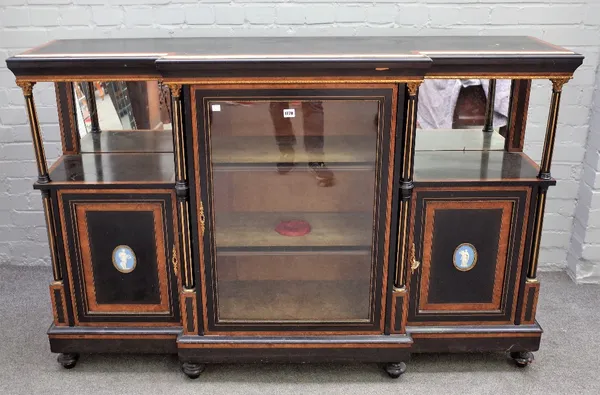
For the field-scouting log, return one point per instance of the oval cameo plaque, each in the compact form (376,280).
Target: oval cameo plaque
(124,259)
(465,257)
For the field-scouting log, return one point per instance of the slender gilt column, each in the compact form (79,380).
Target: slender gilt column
(43,177)
(93,108)
(182,188)
(489,108)
(406,183)
(57,293)
(51,229)
(544,174)
(36,135)
(557,85)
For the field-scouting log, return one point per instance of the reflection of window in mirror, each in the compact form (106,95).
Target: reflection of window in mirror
(122,106)
(458,106)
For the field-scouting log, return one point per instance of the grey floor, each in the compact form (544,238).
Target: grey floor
(568,362)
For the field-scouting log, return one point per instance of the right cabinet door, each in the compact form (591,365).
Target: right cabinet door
(466,249)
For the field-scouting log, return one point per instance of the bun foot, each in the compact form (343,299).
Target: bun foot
(522,358)
(395,370)
(192,370)
(68,361)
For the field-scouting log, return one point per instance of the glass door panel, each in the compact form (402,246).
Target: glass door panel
(299,200)
(294,286)
(294,187)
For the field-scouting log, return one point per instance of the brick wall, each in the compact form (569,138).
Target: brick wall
(584,250)
(574,24)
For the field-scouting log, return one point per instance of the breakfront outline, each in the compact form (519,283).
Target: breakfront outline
(458,208)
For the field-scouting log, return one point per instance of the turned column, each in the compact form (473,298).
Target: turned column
(181,188)
(188,298)
(57,292)
(36,135)
(557,85)
(406,184)
(51,230)
(43,177)
(93,108)
(489,108)
(544,174)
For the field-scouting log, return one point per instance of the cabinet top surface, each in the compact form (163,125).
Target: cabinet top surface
(165,56)
(297,47)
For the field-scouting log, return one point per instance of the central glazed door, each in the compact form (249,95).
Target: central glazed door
(293,185)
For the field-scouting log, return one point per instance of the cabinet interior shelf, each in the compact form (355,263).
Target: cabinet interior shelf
(260,150)
(144,156)
(255,232)
(343,149)
(114,168)
(293,301)
(115,141)
(158,167)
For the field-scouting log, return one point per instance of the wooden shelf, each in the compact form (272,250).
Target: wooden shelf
(294,301)
(429,166)
(127,141)
(114,168)
(458,140)
(257,150)
(472,165)
(260,151)
(329,231)
(244,151)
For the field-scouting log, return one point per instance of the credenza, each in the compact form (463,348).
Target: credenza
(294,199)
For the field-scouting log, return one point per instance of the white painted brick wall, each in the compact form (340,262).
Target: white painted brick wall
(574,24)
(584,252)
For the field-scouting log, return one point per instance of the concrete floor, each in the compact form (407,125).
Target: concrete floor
(568,362)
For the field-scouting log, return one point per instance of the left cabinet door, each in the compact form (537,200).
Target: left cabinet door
(119,250)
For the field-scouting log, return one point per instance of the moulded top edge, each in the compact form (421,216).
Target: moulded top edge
(148,55)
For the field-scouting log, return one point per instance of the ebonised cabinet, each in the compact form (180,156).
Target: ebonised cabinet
(286,199)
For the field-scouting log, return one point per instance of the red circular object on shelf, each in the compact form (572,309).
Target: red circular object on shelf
(295,227)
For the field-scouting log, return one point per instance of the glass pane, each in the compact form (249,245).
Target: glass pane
(452,115)
(293,194)
(123,105)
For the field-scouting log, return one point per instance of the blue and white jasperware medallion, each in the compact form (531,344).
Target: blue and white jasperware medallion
(124,259)
(465,257)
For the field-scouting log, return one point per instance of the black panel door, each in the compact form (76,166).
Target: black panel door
(469,244)
(119,247)
(296,182)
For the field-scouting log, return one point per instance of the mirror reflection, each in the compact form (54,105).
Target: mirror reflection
(313,129)
(122,105)
(463,108)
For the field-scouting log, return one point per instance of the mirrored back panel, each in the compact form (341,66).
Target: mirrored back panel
(458,115)
(123,116)
(122,105)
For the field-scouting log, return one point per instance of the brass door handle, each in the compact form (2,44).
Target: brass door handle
(414,263)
